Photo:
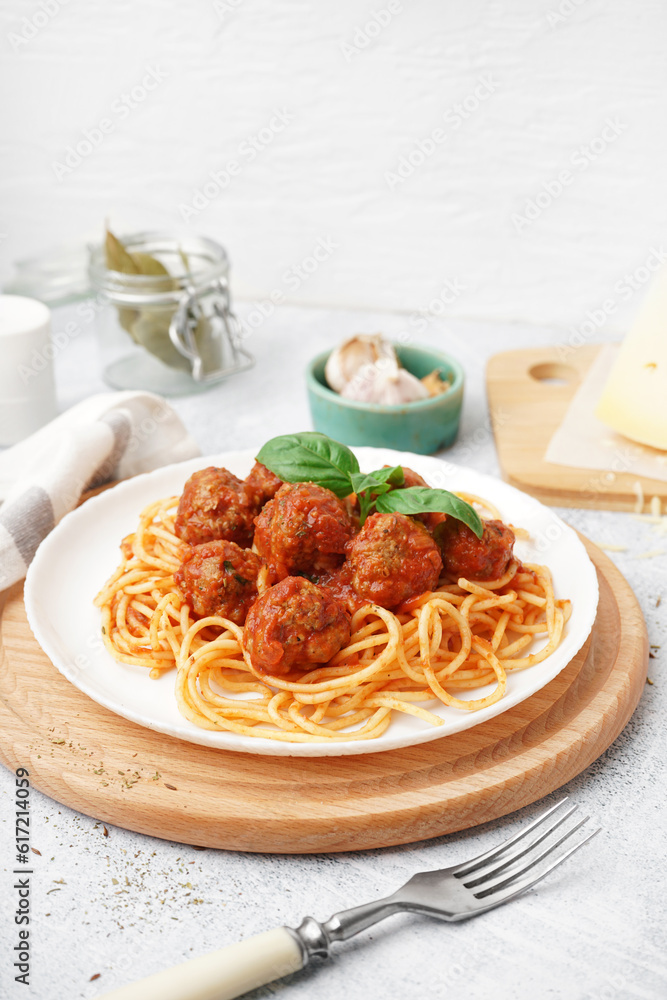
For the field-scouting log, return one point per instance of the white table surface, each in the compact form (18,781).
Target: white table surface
(128,905)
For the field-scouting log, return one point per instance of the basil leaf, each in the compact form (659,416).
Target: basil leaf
(396,476)
(380,481)
(422,500)
(310,457)
(363,481)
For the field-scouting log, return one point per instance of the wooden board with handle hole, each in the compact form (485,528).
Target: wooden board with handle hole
(97,763)
(529,392)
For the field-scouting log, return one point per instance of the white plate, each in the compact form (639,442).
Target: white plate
(77,557)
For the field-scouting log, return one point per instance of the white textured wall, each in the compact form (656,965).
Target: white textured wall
(550,86)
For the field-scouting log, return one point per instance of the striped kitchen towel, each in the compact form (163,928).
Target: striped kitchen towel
(106,437)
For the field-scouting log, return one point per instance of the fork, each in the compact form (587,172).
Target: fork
(453,894)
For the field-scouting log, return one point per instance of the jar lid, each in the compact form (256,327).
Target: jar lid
(188,261)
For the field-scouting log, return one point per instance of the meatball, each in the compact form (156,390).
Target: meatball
(339,585)
(215,504)
(295,623)
(412,478)
(219,578)
(263,483)
(392,559)
(464,554)
(304,529)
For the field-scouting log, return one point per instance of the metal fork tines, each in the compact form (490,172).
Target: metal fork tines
(466,889)
(495,862)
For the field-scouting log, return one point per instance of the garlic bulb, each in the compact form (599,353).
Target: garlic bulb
(346,360)
(384,382)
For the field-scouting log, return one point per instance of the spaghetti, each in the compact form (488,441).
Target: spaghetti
(456,638)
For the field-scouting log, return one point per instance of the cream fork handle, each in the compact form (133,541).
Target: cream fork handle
(224,974)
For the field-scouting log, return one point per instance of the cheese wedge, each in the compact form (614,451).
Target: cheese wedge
(634,400)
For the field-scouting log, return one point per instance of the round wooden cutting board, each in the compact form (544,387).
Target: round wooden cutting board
(98,763)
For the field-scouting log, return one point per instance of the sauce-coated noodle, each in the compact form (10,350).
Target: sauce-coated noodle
(457,638)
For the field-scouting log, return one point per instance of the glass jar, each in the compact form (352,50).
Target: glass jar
(171,331)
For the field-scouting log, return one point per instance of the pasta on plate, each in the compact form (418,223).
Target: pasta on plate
(323,635)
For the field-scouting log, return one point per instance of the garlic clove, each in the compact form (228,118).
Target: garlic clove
(345,361)
(384,383)
(435,383)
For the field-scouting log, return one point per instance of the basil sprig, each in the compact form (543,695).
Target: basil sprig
(311,457)
(369,486)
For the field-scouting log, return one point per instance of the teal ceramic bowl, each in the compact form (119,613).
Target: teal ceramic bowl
(424,426)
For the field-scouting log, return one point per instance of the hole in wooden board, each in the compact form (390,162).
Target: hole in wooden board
(553,373)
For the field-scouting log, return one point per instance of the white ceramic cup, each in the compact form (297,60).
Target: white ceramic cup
(27,391)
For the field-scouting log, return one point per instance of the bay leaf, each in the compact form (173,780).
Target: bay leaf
(152,267)
(117,257)
(127,318)
(146,329)
(147,264)
(185,260)
(151,331)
